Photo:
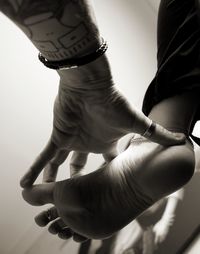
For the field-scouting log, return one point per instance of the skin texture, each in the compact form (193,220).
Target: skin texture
(58,29)
(90,115)
(128,238)
(100,203)
(163,172)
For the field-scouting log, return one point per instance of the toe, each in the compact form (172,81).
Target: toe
(47,216)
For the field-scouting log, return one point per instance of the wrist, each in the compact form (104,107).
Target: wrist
(93,75)
(75,61)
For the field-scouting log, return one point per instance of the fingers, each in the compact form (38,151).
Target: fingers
(164,137)
(155,132)
(40,194)
(77,163)
(51,170)
(45,156)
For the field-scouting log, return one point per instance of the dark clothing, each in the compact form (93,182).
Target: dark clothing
(178,39)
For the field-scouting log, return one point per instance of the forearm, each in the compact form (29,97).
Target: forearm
(59,29)
(62,30)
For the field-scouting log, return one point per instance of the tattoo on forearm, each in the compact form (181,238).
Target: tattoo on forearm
(58,28)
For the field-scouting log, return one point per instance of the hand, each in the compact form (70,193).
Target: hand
(160,229)
(90,115)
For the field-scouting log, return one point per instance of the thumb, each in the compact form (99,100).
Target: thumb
(40,194)
(155,132)
(165,137)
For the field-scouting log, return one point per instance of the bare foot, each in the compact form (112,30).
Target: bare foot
(100,203)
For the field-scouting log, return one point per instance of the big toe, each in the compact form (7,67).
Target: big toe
(40,194)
